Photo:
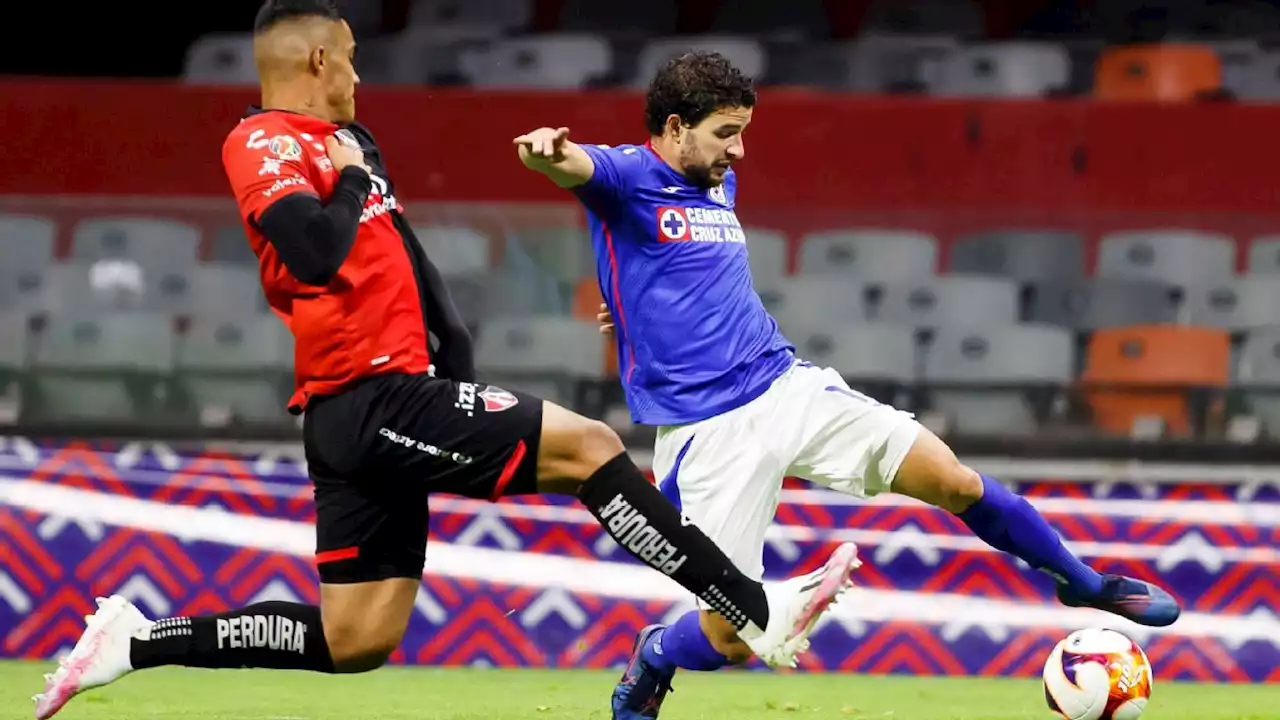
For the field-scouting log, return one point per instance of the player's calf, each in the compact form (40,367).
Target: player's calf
(932,473)
(364,622)
(721,638)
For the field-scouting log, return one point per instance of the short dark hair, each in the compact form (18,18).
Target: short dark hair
(274,11)
(694,86)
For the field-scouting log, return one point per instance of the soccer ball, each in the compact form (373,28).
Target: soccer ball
(1097,675)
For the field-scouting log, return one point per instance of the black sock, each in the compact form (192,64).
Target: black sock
(646,525)
(279,635)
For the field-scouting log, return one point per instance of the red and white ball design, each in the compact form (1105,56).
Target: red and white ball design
(1097,674)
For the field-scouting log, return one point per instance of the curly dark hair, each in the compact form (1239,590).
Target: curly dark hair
(694,86)
(274,11)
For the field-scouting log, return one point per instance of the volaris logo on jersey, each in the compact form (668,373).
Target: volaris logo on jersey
(697,224)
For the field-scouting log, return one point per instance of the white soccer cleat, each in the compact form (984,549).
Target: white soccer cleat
(796,605)
(100,657)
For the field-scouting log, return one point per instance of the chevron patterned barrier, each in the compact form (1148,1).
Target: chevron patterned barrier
(537,584)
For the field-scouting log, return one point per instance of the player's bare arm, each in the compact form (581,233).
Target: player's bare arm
(549,151)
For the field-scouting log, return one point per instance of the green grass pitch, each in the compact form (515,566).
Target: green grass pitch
(402,693)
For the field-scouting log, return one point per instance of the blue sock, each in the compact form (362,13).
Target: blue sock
(1007,522)
(683,645)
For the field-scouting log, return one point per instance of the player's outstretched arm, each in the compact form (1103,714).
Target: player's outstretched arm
(548,151)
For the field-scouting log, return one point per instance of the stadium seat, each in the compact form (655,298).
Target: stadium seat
(1102,303)
(586,305)
(1264,255)
(547,356)
(1257,370)
(1020,355)
(512,15)
(1261,80)
(103,367)
(152,243)
(14,331)
(949,300)
(1238,57)
(227,289)
(1012,69)
(26,243)
(803,301)
(772,19)
(769,254)
(864,354)
(117,285)
(654,17)
(1165,73)
(564,253)
(895,63)
(230,245)
(1154,367)
(872,255)
(423,55)
(221,59)
(237,368)
(1181,257)
(961,18)
(470,297)
(15,346)
(745,53)
(455,250)
(1237,304)
(546,62)
(1022,255)
(25,290)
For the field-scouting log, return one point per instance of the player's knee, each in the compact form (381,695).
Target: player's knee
(931,472)
(599,444)
(573,448)
(356,647)
(958,487)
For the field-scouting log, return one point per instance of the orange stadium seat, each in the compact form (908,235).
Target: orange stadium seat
(1165,73)
(1160,357)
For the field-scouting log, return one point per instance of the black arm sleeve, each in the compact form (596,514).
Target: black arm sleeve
(313,240)
(454,357)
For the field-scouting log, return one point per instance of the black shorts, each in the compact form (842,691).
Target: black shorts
(376,451)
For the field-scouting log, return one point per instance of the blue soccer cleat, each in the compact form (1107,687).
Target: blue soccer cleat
(1139,601)
(643,687)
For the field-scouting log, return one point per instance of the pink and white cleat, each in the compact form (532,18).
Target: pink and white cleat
(796,605)
(101,656)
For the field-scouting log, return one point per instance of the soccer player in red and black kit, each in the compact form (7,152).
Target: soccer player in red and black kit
(387,420)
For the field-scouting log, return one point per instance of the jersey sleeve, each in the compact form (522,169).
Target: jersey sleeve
(263,168)
(616,173)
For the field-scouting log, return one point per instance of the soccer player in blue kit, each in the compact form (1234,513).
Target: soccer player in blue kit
(736,409)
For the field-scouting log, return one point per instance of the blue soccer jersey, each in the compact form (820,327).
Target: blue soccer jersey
(694,340)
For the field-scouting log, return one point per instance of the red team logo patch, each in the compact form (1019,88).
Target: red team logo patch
(673,224)
(496,399)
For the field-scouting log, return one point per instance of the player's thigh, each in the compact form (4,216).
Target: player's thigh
(724,480)
(371,524)
(848,441)
(572,448)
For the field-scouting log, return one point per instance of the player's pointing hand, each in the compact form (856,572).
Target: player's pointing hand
(547,143)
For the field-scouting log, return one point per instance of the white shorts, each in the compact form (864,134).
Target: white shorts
(726,472)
